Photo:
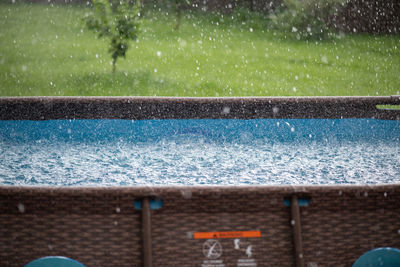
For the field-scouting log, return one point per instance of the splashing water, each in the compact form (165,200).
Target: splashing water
(200,152)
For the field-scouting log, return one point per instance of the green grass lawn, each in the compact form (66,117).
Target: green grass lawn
(46,50)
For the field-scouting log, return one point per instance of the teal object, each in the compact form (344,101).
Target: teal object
(54,261)
(155,204)
(302,202)
(380,257)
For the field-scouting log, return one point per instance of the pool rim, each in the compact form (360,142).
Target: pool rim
(156,190)
(141,108)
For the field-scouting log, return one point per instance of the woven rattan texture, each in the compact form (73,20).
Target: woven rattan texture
(173,244)
(339,226)
(97,230)
(100,226)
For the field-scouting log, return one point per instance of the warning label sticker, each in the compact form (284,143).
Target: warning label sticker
(213,263)
(229,248)
(231,234)
(212,249)
(246,262)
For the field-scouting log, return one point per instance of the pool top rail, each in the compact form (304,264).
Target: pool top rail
(141,108)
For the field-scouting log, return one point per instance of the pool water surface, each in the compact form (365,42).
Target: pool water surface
(199,152)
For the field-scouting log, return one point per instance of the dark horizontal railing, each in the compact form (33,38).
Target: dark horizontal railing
(139,108)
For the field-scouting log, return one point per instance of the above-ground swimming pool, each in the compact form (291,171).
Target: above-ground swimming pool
(120,181)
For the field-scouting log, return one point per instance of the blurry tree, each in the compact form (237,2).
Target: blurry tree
(179,6)
(306,18)
(117,20)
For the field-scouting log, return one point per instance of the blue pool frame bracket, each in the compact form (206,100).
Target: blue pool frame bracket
(380,257)
(156,203)
(301,201)
(54,261)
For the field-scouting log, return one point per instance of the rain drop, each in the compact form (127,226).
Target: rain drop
(21,207)
(226,110)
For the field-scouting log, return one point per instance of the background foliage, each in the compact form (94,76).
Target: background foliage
(116,20)
(47,50)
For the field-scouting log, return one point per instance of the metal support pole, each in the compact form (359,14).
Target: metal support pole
(146,227)
(298,245)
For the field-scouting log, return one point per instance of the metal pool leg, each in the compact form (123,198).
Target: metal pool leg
(298,245)
(146,227)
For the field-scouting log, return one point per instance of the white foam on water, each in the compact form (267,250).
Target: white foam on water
(193,161)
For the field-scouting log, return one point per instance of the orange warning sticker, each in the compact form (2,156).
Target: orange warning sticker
(232,234)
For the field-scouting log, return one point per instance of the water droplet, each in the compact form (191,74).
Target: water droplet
(21,207)
(226,110)
(159,53)
(251,29)
(187,194)
(189,235)
(182,43)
